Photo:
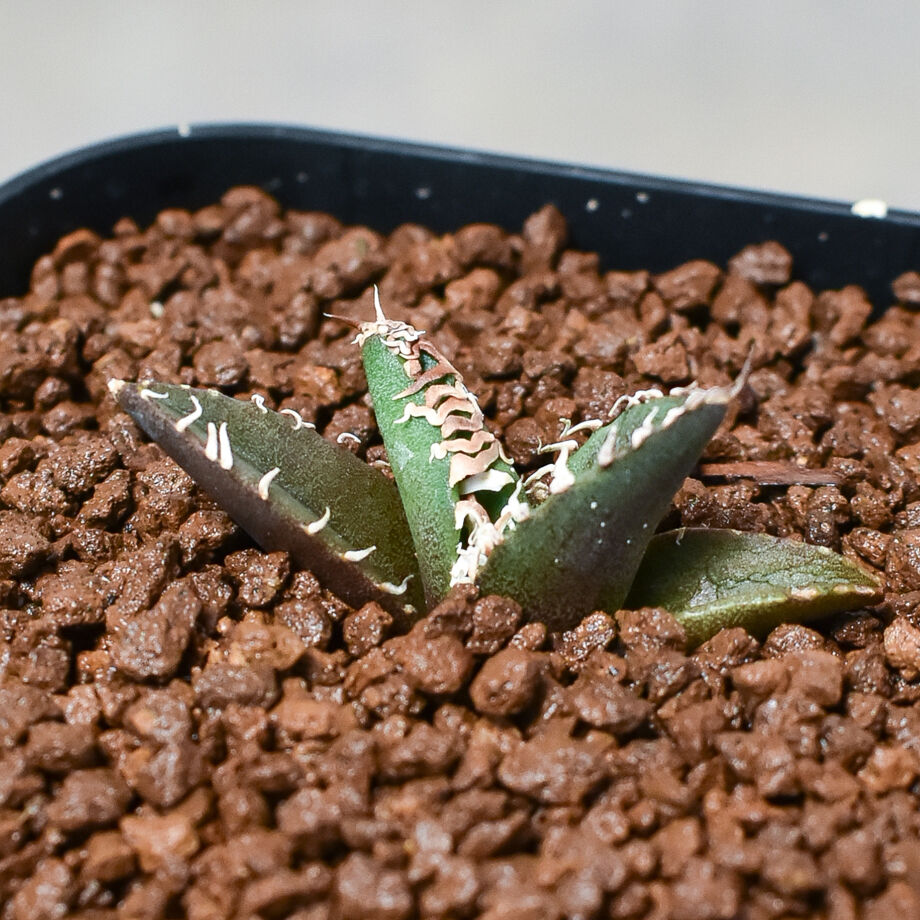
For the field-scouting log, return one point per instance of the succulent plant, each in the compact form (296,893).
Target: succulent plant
(575,536)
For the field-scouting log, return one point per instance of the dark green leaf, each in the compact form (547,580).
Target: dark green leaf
(288,487)
(711,579)
(428,499)
(586,542)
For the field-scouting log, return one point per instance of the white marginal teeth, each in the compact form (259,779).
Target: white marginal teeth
(628,400)
(266,481)
(644,431)
(225,454)
(210,448)
(298,419)
(389,588)
(192,417)
(562,478)
(319,524)
(147,393)
(591,424)
(672,416)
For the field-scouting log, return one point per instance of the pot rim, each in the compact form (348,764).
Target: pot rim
(121,143)
(633,220)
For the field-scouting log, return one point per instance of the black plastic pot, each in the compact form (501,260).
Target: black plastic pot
(633,221)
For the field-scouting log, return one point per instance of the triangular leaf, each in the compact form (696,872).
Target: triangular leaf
(586,541)
(639,415)
(288,487)
(427,498)
(445,461)
(711,579)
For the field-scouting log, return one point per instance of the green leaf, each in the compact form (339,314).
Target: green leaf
(428,499)
(288,487)
(619,433)
(585,542)
(445,462)
(711,579)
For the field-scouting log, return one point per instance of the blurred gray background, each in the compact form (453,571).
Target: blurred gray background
(814,98)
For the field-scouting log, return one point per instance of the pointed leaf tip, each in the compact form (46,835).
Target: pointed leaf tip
(713,579)
(288,487)
(452,475)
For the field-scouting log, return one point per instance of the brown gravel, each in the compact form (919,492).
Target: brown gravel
(190,727)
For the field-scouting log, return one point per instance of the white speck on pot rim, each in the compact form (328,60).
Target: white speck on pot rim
(870,207)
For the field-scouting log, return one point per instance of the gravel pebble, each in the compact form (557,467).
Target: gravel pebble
(192,726)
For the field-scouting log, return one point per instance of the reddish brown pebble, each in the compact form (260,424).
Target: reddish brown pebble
(191,725)
(89,799)
(764,263)
(365,628)
(906,288)
(688,285)
(507,682)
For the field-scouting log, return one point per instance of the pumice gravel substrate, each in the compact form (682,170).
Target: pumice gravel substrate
(191,727)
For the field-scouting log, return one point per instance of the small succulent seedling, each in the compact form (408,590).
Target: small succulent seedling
(575,536)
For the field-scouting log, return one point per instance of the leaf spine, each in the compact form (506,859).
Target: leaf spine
(224,453)
(148,394)
(266,481)
(356,555)
(210,447)
(192,417)
(319,523)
